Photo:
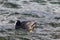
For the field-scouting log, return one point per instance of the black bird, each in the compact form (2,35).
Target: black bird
(18,24)
(29,25)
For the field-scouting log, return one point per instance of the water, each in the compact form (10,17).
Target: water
(44,12)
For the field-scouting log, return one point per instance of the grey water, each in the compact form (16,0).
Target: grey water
(46,14)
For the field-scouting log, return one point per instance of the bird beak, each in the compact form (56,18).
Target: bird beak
(30,30)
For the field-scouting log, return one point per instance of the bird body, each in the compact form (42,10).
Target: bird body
(29,25)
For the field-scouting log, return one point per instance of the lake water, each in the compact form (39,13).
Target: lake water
(46,14)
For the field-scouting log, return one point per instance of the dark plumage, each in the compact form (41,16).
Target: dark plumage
(29,25)
(18,24)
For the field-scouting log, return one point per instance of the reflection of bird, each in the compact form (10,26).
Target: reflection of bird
(29,25)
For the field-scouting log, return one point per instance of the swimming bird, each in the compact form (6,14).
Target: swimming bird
(29,25)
